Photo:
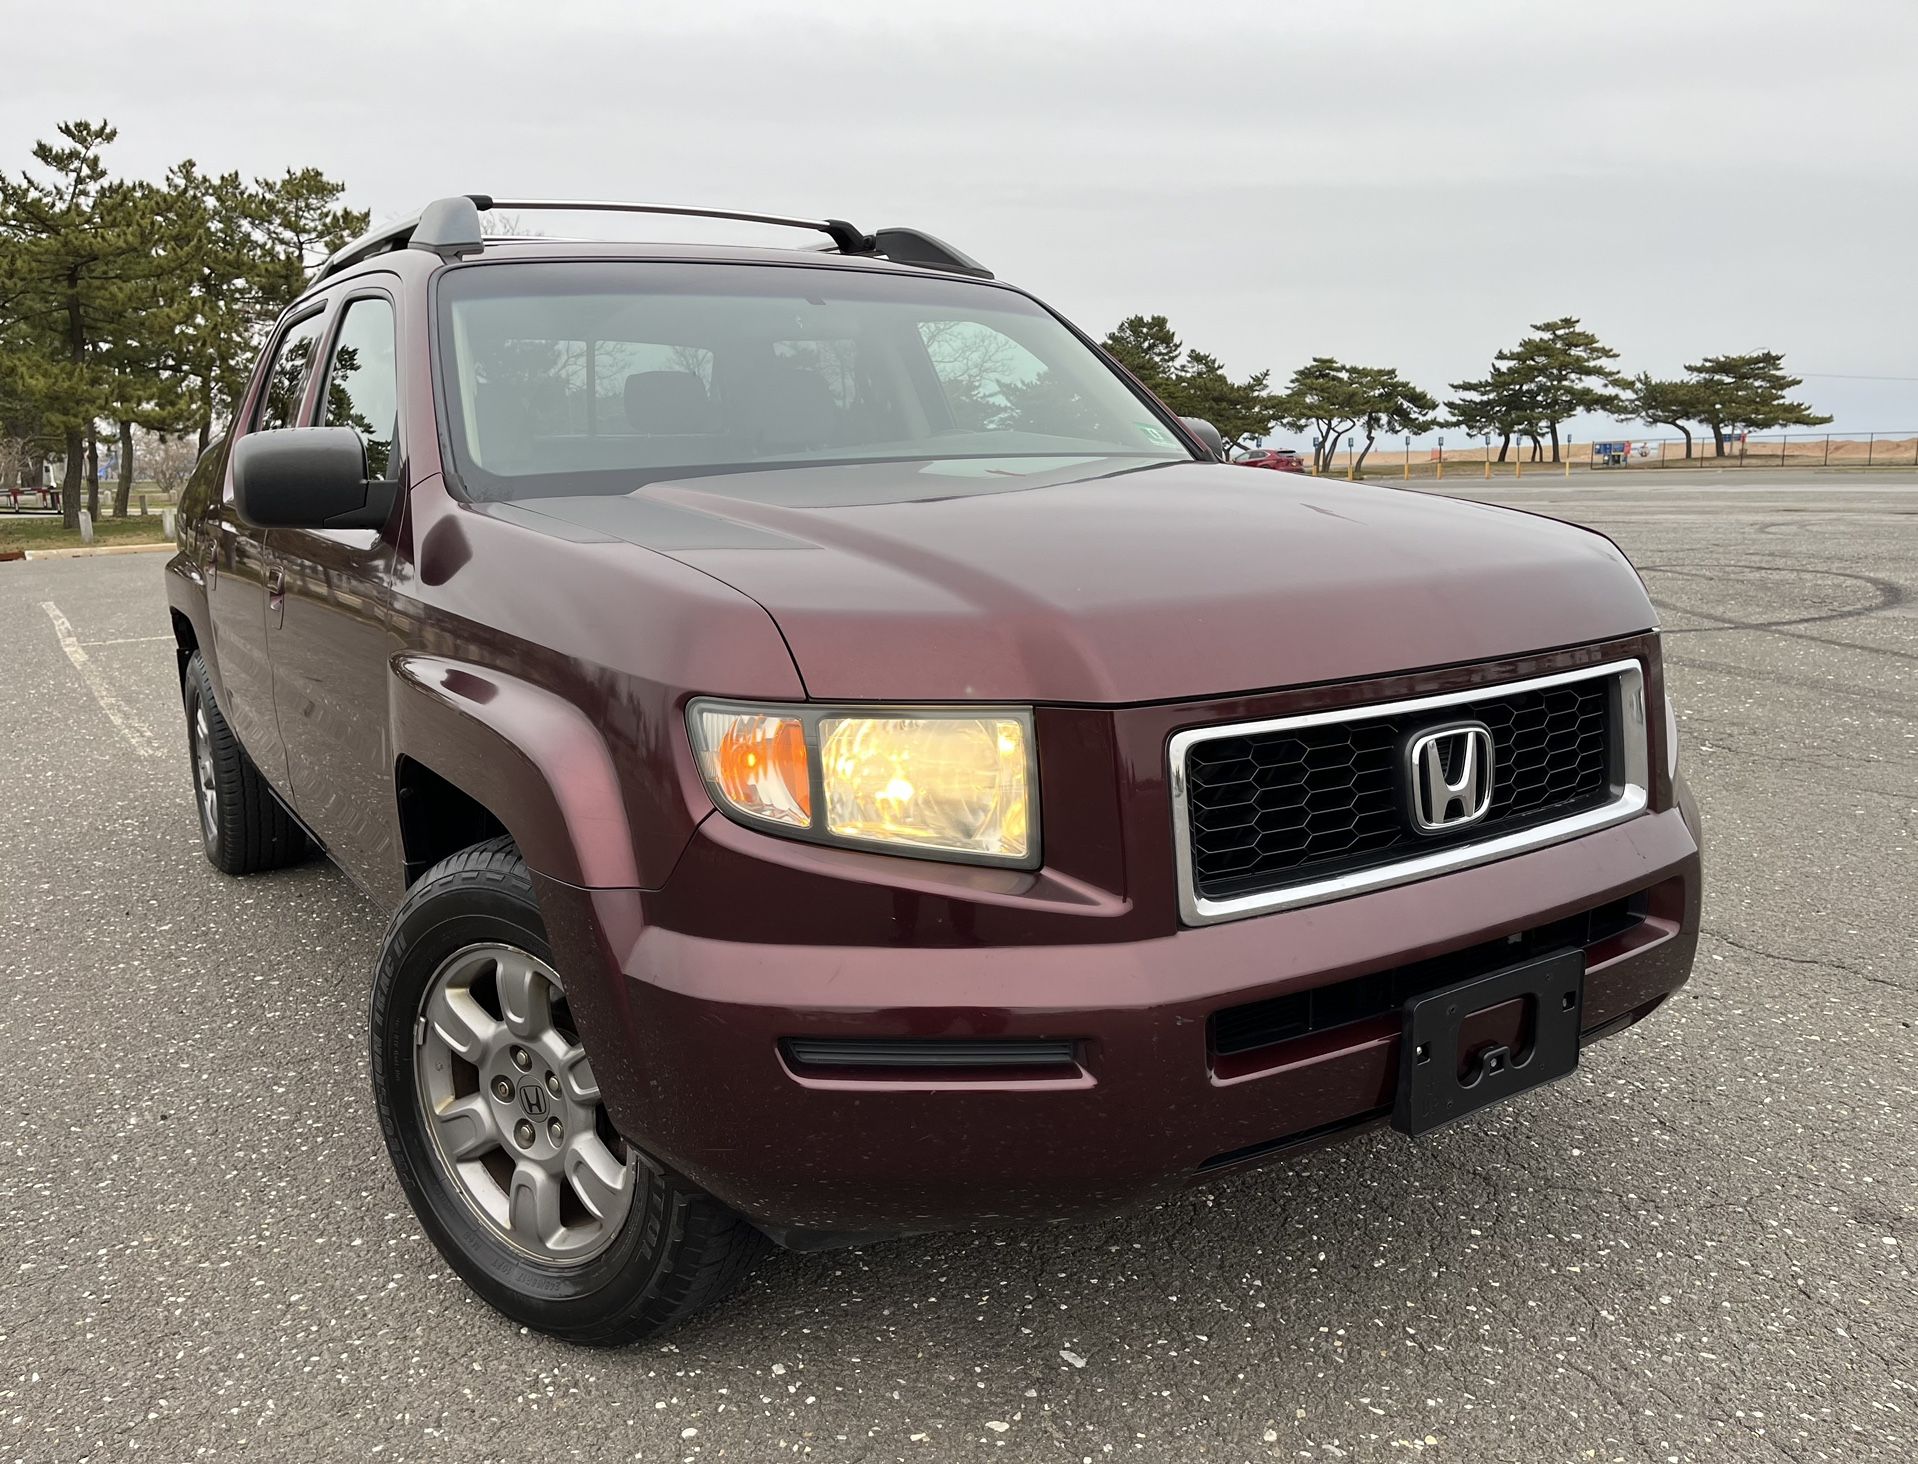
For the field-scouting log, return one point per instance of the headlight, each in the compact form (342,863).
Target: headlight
(1671,736)
(946,783)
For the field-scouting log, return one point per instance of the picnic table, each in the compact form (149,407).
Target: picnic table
(49,497)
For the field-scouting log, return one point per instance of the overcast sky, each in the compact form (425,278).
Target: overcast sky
(1393,183)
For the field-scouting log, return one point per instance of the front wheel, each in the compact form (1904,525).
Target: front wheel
(494,1120)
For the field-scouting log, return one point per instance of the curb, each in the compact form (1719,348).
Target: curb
(165,547)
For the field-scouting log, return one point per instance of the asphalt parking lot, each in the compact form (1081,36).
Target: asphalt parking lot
(1704,1246)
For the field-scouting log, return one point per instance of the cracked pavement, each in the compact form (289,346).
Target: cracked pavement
(1702,1247)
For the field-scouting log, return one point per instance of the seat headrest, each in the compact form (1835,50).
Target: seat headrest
(793,410)
(667,401)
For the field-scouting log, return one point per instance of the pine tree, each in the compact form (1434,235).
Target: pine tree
(74,257)
(295,221)
(1564,370)
(1668,404)
(142,305)
(210,252)
(146,387)
(240,254)
(1333,398)
(25,437)
(1193,383)
(1243,411)
(1500,405)
(1146,346)
(1747,391)
(1392,405)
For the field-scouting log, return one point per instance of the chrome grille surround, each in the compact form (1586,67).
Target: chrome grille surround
(1630,783)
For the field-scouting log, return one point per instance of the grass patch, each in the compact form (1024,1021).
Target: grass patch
(26,531)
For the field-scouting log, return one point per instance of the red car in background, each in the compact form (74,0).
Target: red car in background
(1284,459)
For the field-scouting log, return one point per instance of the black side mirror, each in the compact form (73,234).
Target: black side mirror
(308,478)
(1206,433)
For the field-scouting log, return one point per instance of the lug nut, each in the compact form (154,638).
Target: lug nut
(552,1085)
(521,1060)
(523,1134)
(554,1131)
(502,1090)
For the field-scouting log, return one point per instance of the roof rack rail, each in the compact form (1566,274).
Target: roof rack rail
(846,239)
(450,227)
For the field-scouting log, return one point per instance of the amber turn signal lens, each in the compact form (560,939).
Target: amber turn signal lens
(757,763)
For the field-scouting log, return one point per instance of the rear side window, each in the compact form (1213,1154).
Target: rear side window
(362,383)
(286,379)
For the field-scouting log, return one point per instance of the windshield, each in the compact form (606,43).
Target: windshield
(567,378)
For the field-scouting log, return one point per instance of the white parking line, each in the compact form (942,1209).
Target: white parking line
(125,720)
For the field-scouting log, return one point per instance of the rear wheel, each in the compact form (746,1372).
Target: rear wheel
(242,825)
(496,1127)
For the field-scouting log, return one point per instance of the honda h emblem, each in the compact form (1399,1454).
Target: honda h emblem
(1450,776)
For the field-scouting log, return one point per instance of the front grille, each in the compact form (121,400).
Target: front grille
(1296,803)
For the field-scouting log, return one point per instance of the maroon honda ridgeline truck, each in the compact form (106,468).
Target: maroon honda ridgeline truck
(842,760)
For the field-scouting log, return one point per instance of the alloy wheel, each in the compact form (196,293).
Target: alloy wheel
(513,1109)
(204,783)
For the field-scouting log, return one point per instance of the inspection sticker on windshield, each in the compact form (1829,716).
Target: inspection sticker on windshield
(1152,433)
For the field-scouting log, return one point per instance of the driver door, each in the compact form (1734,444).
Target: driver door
(236,569)
(327,624)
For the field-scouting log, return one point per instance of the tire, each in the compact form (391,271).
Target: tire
(243,826)
(472,1075)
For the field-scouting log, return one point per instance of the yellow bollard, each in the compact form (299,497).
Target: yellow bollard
(1518,467)
(1441,467)
(1568,459)
(1488,463)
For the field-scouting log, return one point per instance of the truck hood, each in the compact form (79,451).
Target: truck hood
(1119,580)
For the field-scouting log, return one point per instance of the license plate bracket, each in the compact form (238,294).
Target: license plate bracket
(1432,1089)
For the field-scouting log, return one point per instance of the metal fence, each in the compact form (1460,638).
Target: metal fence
(1784,449)
(1754,450)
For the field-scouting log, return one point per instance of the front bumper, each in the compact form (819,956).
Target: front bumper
(685,1033)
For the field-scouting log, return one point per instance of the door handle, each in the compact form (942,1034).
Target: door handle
(276,582)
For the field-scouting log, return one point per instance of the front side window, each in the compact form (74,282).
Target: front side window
(567,378)
(286,378)
(362,383)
